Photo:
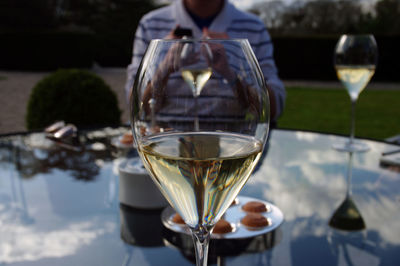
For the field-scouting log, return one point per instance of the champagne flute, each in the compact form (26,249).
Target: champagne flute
(355,60)
(200,167)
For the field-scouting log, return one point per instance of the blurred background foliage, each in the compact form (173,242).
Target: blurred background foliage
(52,34)
(329,17)
(104,28)
(97,16)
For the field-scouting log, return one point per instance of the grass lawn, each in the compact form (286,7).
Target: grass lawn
(328,110)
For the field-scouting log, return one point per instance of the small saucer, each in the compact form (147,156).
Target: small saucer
(116,142)
(233,215)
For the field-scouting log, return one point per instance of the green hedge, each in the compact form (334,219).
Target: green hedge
(113,49)
(303,57)
(311,57)
(52,50)
(43,51)
(75,96)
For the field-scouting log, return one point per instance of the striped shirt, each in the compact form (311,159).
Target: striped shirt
(237,24)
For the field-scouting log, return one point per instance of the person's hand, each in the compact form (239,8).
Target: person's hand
(216,55)
(207,34)
(171,34)
(177,54)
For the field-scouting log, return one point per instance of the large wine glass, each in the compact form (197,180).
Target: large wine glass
(200,120)
(355,61)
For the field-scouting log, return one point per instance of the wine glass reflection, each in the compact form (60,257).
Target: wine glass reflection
(347,216)
(222,249)
(141,227)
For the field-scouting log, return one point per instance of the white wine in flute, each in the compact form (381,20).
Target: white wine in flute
(196,78)
(355,78)
(201,173)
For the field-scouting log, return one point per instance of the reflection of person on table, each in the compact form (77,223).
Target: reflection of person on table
(208,19)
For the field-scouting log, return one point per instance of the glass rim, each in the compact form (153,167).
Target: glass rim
(201,40)
(358,35)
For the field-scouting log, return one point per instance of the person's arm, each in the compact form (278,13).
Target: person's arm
(244,93)
(140,44)
(264,54)
(155,88)
(276,89)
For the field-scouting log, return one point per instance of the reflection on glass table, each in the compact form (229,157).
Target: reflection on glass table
(347,216)
(75,218)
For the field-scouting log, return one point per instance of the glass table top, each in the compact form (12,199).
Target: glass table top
(60,206)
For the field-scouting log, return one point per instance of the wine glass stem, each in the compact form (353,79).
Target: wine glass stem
(353,121)
(201,239)
(349,175)
(196,118)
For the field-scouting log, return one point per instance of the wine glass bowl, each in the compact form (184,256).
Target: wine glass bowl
(200,119)
(355,60)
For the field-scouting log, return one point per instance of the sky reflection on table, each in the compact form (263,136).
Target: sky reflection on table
(50,216)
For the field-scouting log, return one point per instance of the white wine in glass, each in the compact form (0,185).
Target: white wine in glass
(355,61)
(355,78)
(201,172)
(200,167)
(196,78)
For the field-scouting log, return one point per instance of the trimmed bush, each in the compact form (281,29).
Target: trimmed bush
(75,96)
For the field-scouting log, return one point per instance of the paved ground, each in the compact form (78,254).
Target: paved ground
(15,88)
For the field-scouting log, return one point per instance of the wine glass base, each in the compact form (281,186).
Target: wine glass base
(351,147)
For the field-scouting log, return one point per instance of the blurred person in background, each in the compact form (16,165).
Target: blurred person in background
(216,19)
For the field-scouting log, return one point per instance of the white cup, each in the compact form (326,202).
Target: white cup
(136,188)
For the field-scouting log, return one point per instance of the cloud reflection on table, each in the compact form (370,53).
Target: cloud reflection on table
(49,215)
